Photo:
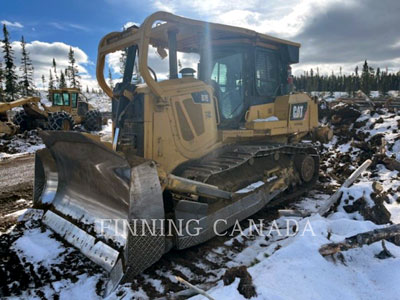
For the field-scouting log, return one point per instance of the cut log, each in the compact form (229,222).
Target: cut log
(194,288)
(338,194)
(392,164)
(361,239)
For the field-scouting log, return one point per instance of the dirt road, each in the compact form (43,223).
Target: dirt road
(16,183)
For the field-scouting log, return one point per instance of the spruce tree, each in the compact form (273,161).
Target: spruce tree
(9,70)
(51,81)
(62,84)
(57,79)
(122,60)
(43,81)
(73,70)
(365,79)
(110,79)
(87,89)
(1,82)
(26,82)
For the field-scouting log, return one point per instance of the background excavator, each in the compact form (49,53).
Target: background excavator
(69,107)
(185,150)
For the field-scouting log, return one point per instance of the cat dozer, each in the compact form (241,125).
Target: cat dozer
(191,154)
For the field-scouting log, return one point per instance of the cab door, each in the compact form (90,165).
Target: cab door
(74,103)
(67,102)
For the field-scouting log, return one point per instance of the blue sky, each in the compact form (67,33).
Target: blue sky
(333,33)
(76,23)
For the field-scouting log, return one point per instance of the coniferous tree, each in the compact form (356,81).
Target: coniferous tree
(9,69)
(43,81)
(73,70)
(382,81)
(110,79)
(51,81)
(63,83)
(87,89)
(1,83)
(26,82)
(122,60)
(365,79)
(57,79)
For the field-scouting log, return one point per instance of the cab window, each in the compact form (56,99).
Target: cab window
(57,99)
(66,99)
(74,100)
(267,72)
(227,74)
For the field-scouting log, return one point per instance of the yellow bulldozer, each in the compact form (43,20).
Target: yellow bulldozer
(69,107)
(186,150)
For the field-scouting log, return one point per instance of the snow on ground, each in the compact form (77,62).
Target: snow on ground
(297,271)
(100,101)
(37,247)
(283,265)
(106,133)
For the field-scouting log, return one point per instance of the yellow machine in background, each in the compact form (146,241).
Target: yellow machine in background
(184,149)
(69,107)
(7,127)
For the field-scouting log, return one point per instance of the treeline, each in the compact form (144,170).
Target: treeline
(367,80)
(15,84)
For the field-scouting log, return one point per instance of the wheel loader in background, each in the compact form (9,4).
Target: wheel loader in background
(69,107)
(185,150)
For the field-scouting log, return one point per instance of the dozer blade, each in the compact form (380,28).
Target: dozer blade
(91,193)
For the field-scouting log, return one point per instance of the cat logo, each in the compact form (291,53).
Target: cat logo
(298,111)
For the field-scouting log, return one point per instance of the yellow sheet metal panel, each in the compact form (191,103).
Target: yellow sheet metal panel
(185,128)
(261,111)
(229,135)
(300,112)
(267,125)
(281,108)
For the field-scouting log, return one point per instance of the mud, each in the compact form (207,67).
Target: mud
(18,276)
(16,188)
(245,287)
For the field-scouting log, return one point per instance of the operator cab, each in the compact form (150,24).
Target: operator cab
(69,98)
(242,77)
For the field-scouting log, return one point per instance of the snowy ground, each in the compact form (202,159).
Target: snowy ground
(282,266)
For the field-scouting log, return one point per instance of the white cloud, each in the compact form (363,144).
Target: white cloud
(114,63)
(69,26)
(12,24)
(285,18)
(130,24)
(160,66)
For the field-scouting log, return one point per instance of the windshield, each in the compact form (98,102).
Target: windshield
(227,77)
(57,99)
(74,99)
(267,72)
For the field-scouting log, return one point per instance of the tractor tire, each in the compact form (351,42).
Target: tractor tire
(93,120)
(23,121)
(60,120)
